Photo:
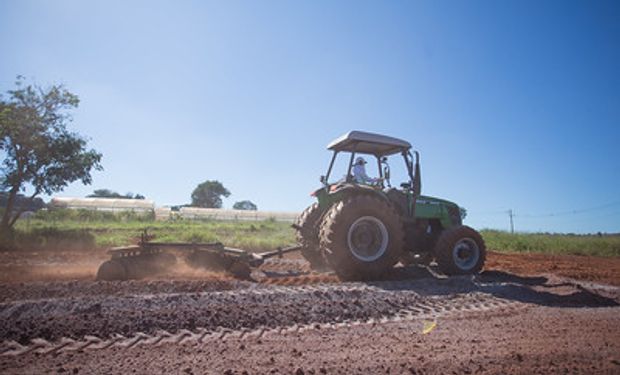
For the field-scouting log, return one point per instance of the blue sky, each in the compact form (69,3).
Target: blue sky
(512,104)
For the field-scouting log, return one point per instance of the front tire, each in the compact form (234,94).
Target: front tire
(361,238)
(460,251)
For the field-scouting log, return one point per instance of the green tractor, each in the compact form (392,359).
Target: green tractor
(361,230)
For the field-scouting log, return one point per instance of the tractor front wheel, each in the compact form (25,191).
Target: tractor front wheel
(460,250)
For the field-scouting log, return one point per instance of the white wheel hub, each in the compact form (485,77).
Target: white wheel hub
(466,254)
(367,238)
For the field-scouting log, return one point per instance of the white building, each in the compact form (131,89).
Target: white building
(104,204)
(165,213)
(245,215)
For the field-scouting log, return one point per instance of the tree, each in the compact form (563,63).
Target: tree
(107,193)
(245,205)
(209,194)
(39,151)
(104,193)
(22,202)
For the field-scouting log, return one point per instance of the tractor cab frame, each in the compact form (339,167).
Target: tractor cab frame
(379,147)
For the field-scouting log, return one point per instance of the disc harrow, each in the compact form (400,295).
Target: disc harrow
(149,258)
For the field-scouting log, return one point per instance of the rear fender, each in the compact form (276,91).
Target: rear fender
(341,192)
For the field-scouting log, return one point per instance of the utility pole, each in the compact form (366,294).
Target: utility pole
(512,225)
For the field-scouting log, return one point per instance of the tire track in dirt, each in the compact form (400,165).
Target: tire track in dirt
(431,309)
(249,307)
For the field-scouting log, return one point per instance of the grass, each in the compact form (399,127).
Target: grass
(51,230)
(596,245)
(80,230)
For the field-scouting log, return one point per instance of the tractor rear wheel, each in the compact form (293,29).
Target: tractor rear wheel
(460,250)
(361,237)
(307,225)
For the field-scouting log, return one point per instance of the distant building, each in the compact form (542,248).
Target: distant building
(244,215)
(166,213)
(104,204)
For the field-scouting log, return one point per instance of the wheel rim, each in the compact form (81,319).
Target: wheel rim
(466,254)
(367,238)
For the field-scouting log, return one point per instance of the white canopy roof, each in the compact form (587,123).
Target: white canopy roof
(368,143)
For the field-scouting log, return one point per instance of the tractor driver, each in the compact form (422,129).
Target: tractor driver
(359,173)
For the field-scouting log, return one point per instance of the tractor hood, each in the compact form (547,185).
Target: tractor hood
(425,199)
(433,207)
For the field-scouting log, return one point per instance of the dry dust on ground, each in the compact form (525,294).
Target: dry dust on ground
(519,316)
(597,269)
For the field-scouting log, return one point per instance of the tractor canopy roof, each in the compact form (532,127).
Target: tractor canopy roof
(368,143)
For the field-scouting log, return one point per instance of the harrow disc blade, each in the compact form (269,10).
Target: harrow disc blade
(218,261)
(112,270)
(135,267)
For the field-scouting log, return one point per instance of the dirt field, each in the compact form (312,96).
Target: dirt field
(524,314)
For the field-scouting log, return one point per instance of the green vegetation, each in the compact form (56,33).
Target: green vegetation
(245,205)
(37,148)
(597,245)
(107,193)
(209,194)
(84,230)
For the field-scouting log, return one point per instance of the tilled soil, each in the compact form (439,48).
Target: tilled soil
(247,308)
(598,269)
(539,340)
(416,322)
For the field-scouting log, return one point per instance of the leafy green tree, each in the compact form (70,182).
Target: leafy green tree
(22,202)
(104,193)
(39,151)
(107,193)
(245,205)
(209,194)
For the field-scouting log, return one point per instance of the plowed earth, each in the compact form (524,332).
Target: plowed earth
(525,313)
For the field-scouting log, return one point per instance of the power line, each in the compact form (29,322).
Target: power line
(577,218)
(511,213)
(572,212)
(551,214)
(486,213)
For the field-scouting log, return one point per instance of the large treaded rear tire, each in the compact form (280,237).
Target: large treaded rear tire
(361,238)
(307,225)
(460,251)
